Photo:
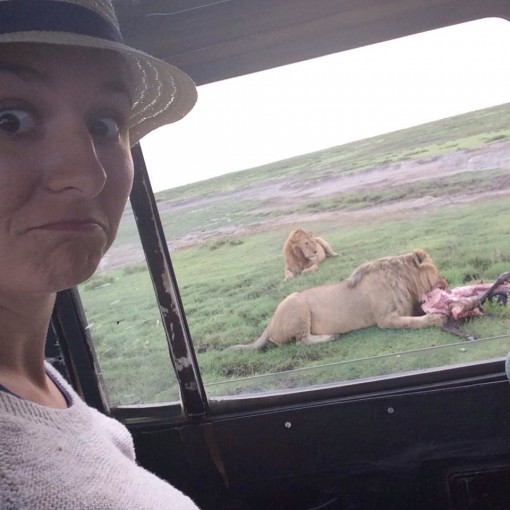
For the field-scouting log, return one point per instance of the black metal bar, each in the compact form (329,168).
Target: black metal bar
(68,326)
(182,353)
(54,353)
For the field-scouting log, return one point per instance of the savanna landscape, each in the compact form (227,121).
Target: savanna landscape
(442,186)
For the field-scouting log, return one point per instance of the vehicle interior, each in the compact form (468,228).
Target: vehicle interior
(375,420)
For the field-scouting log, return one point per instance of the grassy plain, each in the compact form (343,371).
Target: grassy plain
(230,283)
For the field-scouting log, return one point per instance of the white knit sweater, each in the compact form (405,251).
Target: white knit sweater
(74,458)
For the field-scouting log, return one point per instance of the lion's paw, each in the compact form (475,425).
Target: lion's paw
(437,319)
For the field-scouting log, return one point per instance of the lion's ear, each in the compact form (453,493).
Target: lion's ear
(421,255)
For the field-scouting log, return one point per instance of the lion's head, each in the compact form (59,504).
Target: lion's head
(302,245)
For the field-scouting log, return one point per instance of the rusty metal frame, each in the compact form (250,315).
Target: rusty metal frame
(182,353)
(71,351)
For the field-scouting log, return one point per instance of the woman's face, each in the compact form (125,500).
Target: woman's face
(65,163)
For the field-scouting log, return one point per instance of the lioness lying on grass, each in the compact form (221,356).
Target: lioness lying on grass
(385,292)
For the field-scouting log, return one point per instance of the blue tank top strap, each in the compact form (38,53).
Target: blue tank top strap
(7,390)
(62,390)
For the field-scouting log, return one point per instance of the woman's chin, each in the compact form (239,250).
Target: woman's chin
(72,273)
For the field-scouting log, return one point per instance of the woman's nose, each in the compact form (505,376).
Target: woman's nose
(72,164)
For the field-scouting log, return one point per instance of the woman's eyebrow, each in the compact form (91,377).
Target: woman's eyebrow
(27,73)
(119,87)
(21,71)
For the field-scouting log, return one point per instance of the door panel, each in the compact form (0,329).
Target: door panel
(373,452)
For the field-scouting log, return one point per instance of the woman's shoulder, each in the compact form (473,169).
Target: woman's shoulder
(117,432)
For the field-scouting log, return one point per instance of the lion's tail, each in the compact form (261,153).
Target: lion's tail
(259,344)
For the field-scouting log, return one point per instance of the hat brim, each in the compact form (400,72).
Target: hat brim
(163,93)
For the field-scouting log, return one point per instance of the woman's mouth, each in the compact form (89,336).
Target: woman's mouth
(78,226)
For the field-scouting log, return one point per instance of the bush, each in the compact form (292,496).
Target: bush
(139,268)
(99,281)
(229,241)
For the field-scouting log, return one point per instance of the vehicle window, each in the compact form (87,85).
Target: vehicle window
(380,151)
(125,324)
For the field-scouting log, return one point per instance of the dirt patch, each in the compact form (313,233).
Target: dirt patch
(285,193)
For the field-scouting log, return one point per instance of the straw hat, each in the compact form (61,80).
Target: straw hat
(163,93)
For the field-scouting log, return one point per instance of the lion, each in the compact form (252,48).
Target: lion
(303,252)
(385,292)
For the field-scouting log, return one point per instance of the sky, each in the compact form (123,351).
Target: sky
(272,115)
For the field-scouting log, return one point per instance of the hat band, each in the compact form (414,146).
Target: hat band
(54,16)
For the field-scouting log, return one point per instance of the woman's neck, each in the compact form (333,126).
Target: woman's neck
(23,329)
(24,324)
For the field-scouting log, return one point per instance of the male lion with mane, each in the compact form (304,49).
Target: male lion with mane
(303,252)
(385,292)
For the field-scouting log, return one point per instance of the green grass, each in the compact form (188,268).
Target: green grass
(230,292)
(230,284)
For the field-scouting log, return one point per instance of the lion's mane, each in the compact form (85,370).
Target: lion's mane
(406,275)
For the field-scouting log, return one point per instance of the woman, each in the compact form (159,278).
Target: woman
(73,99)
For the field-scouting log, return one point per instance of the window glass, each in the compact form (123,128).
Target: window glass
(380,150)
(125,324)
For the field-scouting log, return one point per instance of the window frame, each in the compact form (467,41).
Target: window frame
(69,322)
(69,342)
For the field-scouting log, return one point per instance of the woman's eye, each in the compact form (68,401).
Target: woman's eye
(104,128)
(16,121)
